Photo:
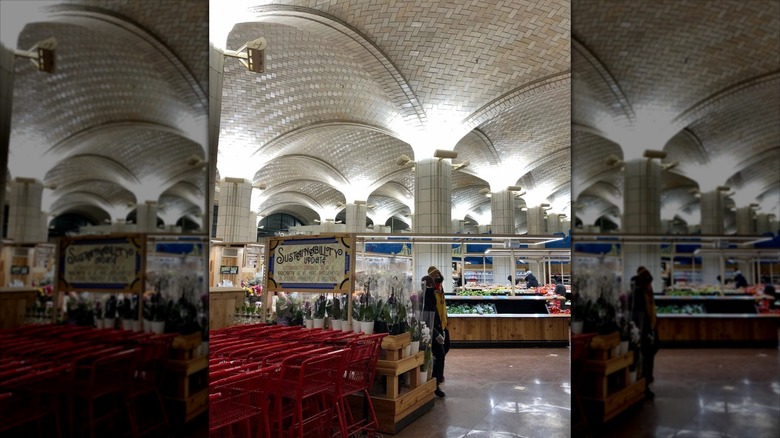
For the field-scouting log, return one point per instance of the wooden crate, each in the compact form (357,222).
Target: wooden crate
(602,346)
(607,389)
(184,347)
(398,406)
(185,410)
(185,377)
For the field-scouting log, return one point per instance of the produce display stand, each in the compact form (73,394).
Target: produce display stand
(397,406)
(25,264)
(731,320)
(521,320)
(13,303)
(185,392)
(607,389)
(235,262)
(222,304)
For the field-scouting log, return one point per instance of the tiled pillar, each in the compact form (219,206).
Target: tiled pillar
(146,217)
(6,99)
(553,223)
(711,223)
(457,226)
(745,221)
(536,220)
(432,215)
(746,226)
(234,223)
(502,209)
(566,226)
(762,224)
(356,218)
(216,74)
(642,215)
(666,226)
(24,214)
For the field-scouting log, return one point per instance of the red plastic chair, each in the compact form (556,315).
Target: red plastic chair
(25,400)
(236,399)
(305,392)
(358,378)
(105,377)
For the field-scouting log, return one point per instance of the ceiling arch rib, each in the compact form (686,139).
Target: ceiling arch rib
(376,63)
(109,21)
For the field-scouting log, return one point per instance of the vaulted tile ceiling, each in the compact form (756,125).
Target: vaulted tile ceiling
(698,80)
(122,120)
(350,86)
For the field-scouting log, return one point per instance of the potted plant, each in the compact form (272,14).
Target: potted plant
(148,312)
(319,312)
(307,311)
(98,306)
(425,343)
(415,330)
(578,310)
(126,312)
(109,315)
(283,309)
(367,313)
(336,313)
(382,316)
(160,313)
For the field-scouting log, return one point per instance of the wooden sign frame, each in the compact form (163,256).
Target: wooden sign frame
(334,252)
(99,249)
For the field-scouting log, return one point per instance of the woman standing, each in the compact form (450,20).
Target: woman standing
(644,317)
(435,303)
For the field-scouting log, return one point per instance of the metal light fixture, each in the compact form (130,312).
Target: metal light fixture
(251,55)
(650,154)
(41,54)
(442,154)
(403,160)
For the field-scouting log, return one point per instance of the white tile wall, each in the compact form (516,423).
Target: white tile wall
(356,218)
(6,99)
(642,215)
(432,214)
(216,74)
(745,222)
(24,214)
(235,222)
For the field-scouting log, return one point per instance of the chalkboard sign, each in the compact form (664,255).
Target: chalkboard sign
(228,269)
(101,263)
(310,263)
(20,270)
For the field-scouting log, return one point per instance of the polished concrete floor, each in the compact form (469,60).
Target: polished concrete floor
(706,393)
(522,392)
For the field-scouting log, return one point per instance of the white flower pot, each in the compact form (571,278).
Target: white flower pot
(623,349)
(346,326)
(158,327)
(336,324)
(99,323)
(576,327)
(367,327)
(414,348)
(127,324)
(423,376)
(147,326)
(108,323)
(137,326)
(408,350)
(319,323)
(308,323)
(632,377)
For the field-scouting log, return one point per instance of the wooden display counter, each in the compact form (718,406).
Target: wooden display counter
(396,406)
(718,330)
(14,302)
(606,385)
(509,330)
(185,389)
(222,304)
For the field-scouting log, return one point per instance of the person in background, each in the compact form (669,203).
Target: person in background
(434,302)
(769,290)
(530,280)
(739,279)
(644,317)
(560,289)
(666,275)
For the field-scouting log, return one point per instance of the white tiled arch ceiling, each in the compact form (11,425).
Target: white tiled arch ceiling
(124,111)
(350,86)
(707,72)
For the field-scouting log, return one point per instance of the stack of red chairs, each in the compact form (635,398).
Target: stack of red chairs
(51,371)
(290,381)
